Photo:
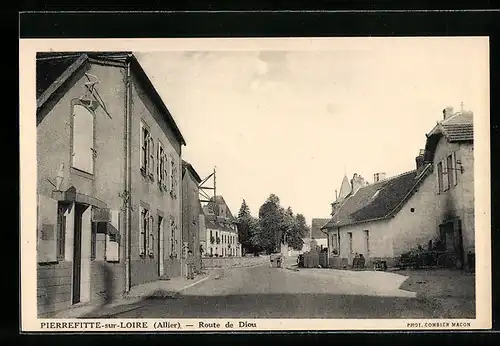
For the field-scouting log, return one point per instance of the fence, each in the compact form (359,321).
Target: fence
(228,262)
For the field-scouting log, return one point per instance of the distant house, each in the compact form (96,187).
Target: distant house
(191,211)
(383,219)
(108,203)
(433,203)
(221,231)
(320,236)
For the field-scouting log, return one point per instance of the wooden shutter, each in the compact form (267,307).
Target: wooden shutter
(172,172)
(141,231)
(444,164)
(47,230)
(151,148)
(158,163)
(143,139)
(151,236)
(166,171)
(113,237)
(454,166)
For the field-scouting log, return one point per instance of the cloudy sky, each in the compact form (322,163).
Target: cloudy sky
(293,122)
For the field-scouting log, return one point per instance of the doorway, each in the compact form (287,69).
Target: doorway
(350,252)
(77,254)
(452,241)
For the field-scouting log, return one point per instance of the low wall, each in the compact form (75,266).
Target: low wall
(229,262)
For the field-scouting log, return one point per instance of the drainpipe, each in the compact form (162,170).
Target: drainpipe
(127,182)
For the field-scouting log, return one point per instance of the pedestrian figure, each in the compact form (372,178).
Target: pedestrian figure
(355,261)
(190,265)
(271,260)
(361,260)
(278,262)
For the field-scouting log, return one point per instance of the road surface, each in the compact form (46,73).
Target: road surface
(263,292)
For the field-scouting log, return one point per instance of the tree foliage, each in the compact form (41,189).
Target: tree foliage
(275,226)
(246,228)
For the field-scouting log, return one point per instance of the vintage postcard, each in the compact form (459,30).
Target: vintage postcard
(255,184)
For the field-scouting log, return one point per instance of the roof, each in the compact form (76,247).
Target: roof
(55,68)
(219,200)
(456,128)
(190,168)
(212,222)
(316,225)
(378,201)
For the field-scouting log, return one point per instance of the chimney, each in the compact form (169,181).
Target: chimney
(447,112)
(357,182)
(419,160)
(378,177)
(335,206)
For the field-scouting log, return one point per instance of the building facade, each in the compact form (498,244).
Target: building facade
(383,220)
(221,231)
(90,186)
(429,205)
(450,149)
(155,172)
(192,228)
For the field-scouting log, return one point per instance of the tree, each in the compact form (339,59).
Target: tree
(269,232)
(295,238)
(244,231)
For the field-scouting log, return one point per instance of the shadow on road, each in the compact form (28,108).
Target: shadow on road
(297,306)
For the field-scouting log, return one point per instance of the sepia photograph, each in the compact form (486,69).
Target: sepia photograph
(219,184)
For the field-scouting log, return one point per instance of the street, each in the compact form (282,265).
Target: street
(263,292)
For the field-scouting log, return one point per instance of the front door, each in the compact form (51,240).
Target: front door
(77,254)
(451,235)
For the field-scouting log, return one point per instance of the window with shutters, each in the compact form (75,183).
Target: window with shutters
(151,237)
(173,177)
(454,169)
(144,230)
(151,163)
(449,171)
(439,173)
(173,238)
(162,167)
(147,152)
(144,149)
(98,241)
(83,151)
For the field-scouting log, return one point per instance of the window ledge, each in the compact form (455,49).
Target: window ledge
(81,173)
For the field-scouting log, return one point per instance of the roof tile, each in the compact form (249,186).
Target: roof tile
(377,200)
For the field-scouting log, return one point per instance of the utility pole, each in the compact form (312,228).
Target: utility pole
(205,190)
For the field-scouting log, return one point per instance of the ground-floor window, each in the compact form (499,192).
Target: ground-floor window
(98,241)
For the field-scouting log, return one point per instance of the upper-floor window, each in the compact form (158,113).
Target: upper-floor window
(447,173)
(162,167)
(83,139)
(173,177)
(147,152)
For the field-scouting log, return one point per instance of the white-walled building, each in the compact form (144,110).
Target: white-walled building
(221,237)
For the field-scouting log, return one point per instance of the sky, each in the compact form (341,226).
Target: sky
(293,121)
